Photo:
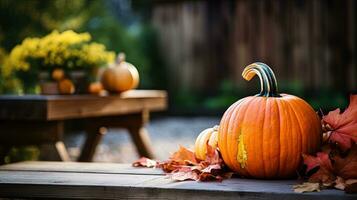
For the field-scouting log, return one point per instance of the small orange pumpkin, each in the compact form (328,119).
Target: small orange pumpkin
(95,88)
(209,135)
(120,77)
(58,74)
(264,136)
(66,86)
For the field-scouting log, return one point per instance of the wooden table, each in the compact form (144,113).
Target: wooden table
(39,119)
(121,181)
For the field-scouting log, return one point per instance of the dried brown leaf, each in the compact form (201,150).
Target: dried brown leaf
(145,162)
(184,174)
(307,187)
(346,167)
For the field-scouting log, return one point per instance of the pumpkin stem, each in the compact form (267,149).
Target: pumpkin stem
(121,57)
(268,84)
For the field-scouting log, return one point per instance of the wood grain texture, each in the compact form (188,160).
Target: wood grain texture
(60,107)
(308,43)
(80,167)
(112,181)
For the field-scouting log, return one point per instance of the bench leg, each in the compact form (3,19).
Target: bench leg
(54,152)
(142,141)
(94,136)
(134,123)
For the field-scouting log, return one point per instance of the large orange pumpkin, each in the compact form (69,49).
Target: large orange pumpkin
(120,77)
(208,136)
(264,136)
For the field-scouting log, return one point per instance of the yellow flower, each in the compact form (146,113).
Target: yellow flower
(67,50)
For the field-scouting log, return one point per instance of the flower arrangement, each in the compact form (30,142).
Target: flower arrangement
(67,50)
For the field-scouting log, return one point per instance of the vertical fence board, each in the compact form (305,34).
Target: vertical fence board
(205,42)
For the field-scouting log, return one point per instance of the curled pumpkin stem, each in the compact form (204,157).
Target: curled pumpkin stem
(268,83)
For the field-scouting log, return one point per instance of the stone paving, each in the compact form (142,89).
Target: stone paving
(166,136)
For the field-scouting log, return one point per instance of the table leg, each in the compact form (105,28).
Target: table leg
(54,152)
(94,136)
(142,141)
(134,123)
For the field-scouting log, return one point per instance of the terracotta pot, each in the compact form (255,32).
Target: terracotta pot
(49,88)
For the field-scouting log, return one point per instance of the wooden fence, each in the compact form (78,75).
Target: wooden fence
(309,41)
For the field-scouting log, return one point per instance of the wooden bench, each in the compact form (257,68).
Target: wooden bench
(121,181)
(39,120)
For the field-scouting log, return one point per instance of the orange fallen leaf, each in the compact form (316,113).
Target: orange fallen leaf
(184,156)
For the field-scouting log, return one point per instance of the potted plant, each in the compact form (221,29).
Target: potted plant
(68,56)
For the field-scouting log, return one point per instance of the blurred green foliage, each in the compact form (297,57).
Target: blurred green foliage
(17,154)
(325,99)
(36,18)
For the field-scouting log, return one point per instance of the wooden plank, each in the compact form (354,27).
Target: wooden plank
(80,167)
(36,184)
(58,107)
(127,94)
(112,181)
(65,109)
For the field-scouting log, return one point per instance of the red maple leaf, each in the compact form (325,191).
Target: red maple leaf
(346,167)
(335,170)
(324,174)
(342,127)
(321,160)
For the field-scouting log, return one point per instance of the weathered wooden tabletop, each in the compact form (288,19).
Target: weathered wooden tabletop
(61,107)
(116,181)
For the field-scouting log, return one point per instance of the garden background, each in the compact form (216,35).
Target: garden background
(196,50)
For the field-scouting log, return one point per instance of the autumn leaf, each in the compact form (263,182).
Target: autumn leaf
(351,186)
(213,156)
(181,158)
(184,173)
(183,165)
(307,187)
(145,162)
(321,160)
(184,156)
(336,170)
(324,174)
(346,167)
(342,127)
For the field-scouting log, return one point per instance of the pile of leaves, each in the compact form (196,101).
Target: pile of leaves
(336,165)
(183,165)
